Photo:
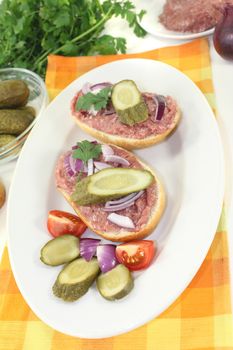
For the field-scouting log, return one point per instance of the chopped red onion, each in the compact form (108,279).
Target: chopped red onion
(122,199)
(101,165)
(90,167)
(160,102)
(118,207)
(100,86)
(126,203)
(88,247)
(67,166)
(121,220)
(86,88)
(116,159)
(76,164)
(106,257)
(72,165)
(107,150)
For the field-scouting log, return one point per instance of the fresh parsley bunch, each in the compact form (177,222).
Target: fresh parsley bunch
(31,30)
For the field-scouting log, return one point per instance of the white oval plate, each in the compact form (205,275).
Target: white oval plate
(190,162)
(150,22)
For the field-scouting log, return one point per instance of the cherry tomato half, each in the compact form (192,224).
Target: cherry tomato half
(136,255)
(60,223)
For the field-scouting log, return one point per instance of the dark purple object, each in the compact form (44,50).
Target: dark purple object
(88,247)
(72,166)
(106,256)
(223,34)
(160,102)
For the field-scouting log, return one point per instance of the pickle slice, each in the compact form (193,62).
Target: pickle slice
(125,94)
(75,279)
(116,283)
(110,183)
(60,250)
(128,103)
(119,181)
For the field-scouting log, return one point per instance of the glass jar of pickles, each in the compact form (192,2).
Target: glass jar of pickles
(23,97)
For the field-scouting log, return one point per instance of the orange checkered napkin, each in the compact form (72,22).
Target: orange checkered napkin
(201,318)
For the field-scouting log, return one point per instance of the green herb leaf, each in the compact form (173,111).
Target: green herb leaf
(87,150)
(97,101)
(31,30)
(107,45)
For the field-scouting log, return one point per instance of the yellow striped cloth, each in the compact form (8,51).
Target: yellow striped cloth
(201,317)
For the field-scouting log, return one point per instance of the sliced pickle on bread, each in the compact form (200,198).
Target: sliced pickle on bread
(128,102)
(111,183)
(116,283)
(60,250)
(107,188)
(75,279)
(130,116)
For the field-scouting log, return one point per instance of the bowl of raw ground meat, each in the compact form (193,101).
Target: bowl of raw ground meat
(181,19)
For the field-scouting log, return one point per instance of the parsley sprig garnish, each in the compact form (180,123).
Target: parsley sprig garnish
(31,30)
(97,101)
(87,150)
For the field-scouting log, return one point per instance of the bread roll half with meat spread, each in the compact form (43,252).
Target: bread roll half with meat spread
(145,212)
(109,129)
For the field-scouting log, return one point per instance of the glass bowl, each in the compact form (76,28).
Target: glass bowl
(38,99)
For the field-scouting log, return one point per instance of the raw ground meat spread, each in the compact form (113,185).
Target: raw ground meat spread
(112,125)
(139,212)
(192,15)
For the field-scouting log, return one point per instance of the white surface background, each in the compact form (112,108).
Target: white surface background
(223,82)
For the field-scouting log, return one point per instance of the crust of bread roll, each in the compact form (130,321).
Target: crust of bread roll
(126,142)
(125,236)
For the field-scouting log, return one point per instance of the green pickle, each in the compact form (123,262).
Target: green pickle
(111,183)
(5,139)
(75,279)
(128,103)
(13,93)
(82,197)
(60,250)
(31,112)
(116,283)
(133,115)
(15,121)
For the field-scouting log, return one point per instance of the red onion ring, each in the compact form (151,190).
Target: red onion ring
(100,86)
(121,200)
(101,165)
(160,103)
(125,203)
(86,88)
(67,166)
(107,150)
(73,166)
(117,159)
(118,207)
